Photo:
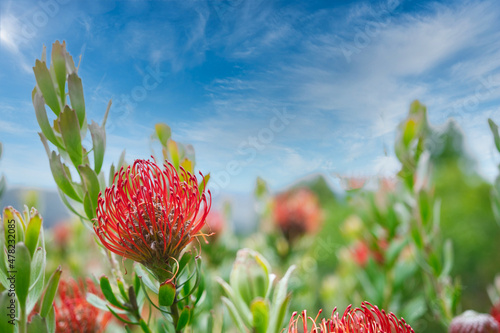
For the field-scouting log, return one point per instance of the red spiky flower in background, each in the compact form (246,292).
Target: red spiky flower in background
(366,319)
(151,214)
(297,212)
(74,313)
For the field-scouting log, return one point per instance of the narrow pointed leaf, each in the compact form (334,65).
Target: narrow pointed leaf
(51,320)
(184,318)
(43,120)
(173,149)
(59,63)
(163,132)
(70,132)
(99,145)
(233,312)
(23,267)
(107,291)
(33,233)
(99,303)
(75,90)
(46,85)
(496,133)
(50,292)
(90,183)
(61,178)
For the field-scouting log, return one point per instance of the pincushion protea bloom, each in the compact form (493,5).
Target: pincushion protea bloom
(473,322)
(151,214)
(74,313)
(297,212)
(366,319)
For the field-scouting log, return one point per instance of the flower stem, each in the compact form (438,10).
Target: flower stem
(175,314)
(22,321)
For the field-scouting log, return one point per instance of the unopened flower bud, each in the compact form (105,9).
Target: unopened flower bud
(250,275)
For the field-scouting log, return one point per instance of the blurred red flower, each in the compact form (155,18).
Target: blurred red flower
(366,319)
(297,212)
(362,252)
(495,313)
(215,223)
(74,313)
(473,322)
(151,214)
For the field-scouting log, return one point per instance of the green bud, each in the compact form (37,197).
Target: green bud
(250,275)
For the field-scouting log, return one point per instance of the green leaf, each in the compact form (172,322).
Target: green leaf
(121,161)
(233,312)
(280,302)
(184,318)
(50,292)
(12,225)
(88,207)
(37,278)
(120,318)
(51,321)
(37,325)
(43,120)
(70,131)
(91,186)
(59,63)
(414,309)
(75,91)
(70,64)
(496,134)
(448,258)
(173,149)
(33,233)
(105,118)
(3,269)
(137,284)
(435,263)
(100,303)
(121,288)
(409,132)
(99,145)
(61,178)
(7,312)
(166,296)
(23,268)
(163,132)
(151,284)
(108,293)
(238,303)
(111,174)
(144,326)
(260,314)
(46,86)
(394,250)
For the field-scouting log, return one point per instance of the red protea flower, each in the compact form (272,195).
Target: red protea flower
(473,322)
(361,252)
(74,313)
(495,312)
(297,212)
(150,214)
(215,223)
(366,319)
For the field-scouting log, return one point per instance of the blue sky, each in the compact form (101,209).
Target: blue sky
(278,89)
